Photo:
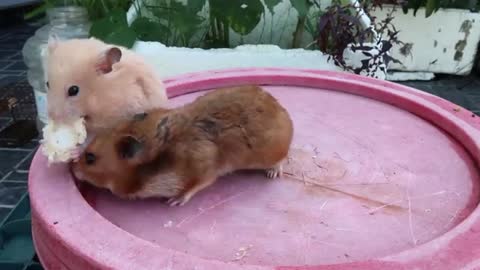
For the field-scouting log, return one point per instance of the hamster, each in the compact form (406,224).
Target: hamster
(175,153)
(102,83)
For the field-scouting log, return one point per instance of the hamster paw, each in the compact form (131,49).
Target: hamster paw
(275,172)
(178,201)
(75,154)
(183,198)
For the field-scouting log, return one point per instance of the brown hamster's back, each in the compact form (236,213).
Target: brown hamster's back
(247,124)
(235,127)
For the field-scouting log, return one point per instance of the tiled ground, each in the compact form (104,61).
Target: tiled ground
(14,162)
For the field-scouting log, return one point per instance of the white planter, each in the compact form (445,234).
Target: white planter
(171,61)
(445,42)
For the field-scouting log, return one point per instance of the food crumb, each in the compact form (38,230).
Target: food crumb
(242,252)
(456,109)
(55,222)
(168,224)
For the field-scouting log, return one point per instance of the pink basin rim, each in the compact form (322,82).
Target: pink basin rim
(121,250)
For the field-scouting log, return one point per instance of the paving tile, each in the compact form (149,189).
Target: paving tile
(475,100)
(4,64)
(6,54)
(11,192)
(4,122)
(427,87)
(9,78)
(9,159)
(458,90)
(4,211)
(17,176)
(4,35)
(17,65)
(32,145)
(10,46)
(18,73)
(16,56)
(19,135)
(457,97)
(25,164)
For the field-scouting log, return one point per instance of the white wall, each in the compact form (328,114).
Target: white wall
(436,40)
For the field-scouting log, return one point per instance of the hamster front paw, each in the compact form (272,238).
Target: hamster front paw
(183,198)
(75,153)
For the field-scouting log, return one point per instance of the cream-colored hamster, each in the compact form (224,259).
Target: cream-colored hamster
(99,83)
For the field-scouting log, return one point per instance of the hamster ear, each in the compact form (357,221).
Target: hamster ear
(129,147)
(52,42)
(106,59)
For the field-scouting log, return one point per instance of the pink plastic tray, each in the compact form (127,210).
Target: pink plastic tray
(371,183)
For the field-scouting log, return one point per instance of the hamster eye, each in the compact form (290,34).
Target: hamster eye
(48,85)
(73,90)
(90,158)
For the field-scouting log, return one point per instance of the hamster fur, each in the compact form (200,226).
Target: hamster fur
(111,83)
(175,153)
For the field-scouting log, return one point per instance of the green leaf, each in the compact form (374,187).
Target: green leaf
(241,15)
(271,4)
(163,13)
(185,21)
(37,11)
(148,30)
(415,5)
(431,6)
(124,36)
(218,8)
(114,29)
(195,5)
(301,6)
(117,16)
(105,26)
(187,25)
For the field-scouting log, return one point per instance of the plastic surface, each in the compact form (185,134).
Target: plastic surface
(370,184)
(16,246)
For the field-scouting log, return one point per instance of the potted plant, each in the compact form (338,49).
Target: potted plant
(194,35)
(184,36)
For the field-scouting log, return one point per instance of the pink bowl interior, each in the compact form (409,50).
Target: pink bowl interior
(365,181)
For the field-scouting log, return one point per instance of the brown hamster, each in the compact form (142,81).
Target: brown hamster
(175,153)
(101,82)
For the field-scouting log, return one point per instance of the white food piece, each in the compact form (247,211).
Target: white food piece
(168,224)
(60,140)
